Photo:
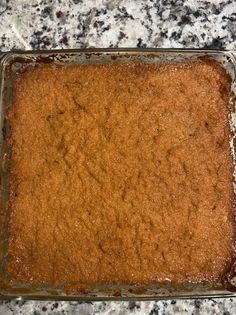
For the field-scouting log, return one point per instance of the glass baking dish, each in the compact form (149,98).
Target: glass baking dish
(10,64)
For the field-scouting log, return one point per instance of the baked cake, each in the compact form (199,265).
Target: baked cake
(121,173)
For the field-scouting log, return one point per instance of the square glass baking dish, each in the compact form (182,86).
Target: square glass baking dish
(10,64)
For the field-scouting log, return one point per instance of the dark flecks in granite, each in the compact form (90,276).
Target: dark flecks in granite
(64,40)
(197,303)
(230,18)
(54,306)
(46,11)
(133,306)
(59,14)
(62,17)
(106,28)
(173,17)
(175,35)
(100,12)
(164,34)
(40,42)
(5,8)
(140,43)
(80,34)
(38,33)
(210,306)
(148,21)
(216,43)
(123,14)
(121,36)
(196,14)
(155,310)
(151,22)
(98,24)
(186,19)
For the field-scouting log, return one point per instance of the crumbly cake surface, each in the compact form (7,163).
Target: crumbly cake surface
(120,173)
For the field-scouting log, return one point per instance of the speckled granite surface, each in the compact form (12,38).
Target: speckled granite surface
(194,307)
(107,23)
(54,24)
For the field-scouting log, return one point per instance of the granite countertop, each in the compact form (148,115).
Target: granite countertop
(51,24)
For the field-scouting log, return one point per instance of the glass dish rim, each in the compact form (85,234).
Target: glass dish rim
(4,58)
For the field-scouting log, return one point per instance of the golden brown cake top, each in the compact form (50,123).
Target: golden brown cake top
(121,173)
